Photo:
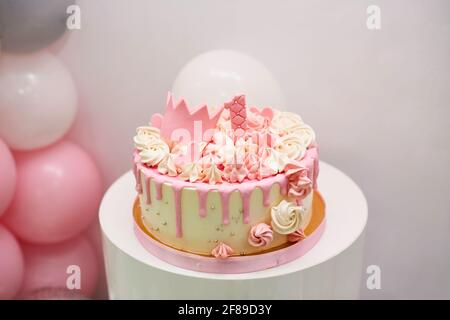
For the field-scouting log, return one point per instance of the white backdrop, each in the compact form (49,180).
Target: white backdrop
(378,100)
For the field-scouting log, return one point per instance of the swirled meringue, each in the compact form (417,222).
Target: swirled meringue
(235,173)
(299,185)
(275,160)
(286,217)
(222,251)
(191,171)
(260,235)
(285,120)
(154,152)
(221,147)
(296,236)
(292,146)
(304,133)
(168,165)
(252,164)
(144,136)
(212,174)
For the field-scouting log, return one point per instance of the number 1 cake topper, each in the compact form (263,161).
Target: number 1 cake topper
(238,115)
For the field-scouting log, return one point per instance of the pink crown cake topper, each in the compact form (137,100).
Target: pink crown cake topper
(181,123)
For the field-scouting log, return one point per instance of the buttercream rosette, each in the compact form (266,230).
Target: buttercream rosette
(299,185)
(260,235)
(286,217)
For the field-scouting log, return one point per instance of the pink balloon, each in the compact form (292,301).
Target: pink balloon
(56,265)
(11,265)
(57,194)
(7,177)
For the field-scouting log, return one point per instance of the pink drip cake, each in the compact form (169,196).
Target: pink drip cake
(224,183)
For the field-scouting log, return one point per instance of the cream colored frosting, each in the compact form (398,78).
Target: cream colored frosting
(292,146)
(203,217)
(275,160)
(284,120)
(303,132)
(154,152)
(191,171)
(144,136)
(286,217)
(212,174)
(167,165)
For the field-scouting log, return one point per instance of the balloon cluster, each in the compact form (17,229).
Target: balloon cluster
(50,188)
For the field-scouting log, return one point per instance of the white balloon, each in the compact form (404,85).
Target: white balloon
(38,100)
(217,76)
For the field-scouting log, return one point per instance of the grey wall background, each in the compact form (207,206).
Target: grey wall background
(378,100)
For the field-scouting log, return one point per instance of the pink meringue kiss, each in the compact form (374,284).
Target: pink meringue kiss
(260,235)
(299,183)
(296,236)
(222,251)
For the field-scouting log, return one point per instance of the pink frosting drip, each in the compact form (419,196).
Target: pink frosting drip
(136,175)
(148,194)
(158,189)
(202,198)
(260,235)
(225,198)
(296,236)
(225,189)
(177,193)
(266,196)
(222,251)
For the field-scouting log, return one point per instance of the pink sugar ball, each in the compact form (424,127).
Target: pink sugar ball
(7,177)
(57,194)
(60,265)
(11,264)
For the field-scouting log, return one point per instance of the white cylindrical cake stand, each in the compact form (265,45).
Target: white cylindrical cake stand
(330,270)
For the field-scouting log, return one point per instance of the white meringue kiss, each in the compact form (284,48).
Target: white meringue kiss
(191,171)
(168,166)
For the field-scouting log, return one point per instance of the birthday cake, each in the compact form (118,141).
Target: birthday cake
(225,182)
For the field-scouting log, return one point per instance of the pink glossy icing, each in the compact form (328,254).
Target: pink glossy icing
(260,235)
(225,189)
(222,251)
